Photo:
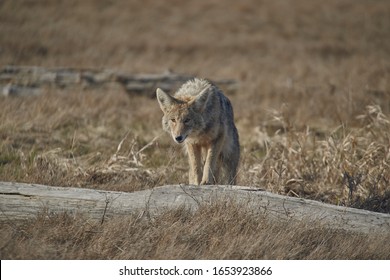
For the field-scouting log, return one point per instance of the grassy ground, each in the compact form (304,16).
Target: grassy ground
(312,110)
(221,231)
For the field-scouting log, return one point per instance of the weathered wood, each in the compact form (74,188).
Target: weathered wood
(22,201)
(22,80)
(17,90)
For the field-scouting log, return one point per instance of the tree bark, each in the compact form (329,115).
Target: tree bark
(22,201)
(27,80)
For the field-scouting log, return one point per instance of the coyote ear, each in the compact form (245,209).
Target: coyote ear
(201,100)
(164,99)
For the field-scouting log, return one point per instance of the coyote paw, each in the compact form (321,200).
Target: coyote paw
(206,182)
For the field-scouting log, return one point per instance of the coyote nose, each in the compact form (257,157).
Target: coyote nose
(179,139)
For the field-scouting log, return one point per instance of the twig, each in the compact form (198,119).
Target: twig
(105,209)
(190,195)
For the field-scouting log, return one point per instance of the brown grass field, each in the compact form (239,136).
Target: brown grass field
(312,111)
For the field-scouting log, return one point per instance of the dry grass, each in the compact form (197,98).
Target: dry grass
(347,166)
(209,233)
(312,110)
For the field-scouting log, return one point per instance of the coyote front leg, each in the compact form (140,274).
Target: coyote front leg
(211,166)
(195,161)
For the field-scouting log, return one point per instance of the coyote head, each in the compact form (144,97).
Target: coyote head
(182,117)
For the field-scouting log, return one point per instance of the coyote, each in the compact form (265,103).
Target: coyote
(201,116)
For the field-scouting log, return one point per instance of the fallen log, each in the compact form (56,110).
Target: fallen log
(20,201)
(22,80)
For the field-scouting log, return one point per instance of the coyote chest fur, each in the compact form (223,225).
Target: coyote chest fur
(201,116)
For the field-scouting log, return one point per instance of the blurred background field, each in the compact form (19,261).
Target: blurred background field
(312,106)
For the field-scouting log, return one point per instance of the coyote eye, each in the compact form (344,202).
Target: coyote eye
(187,120)
(173,120)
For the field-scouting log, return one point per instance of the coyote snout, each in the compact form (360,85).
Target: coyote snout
(179,139)
(201,116)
